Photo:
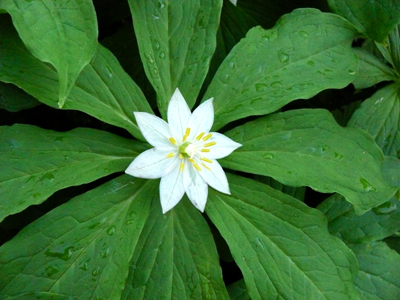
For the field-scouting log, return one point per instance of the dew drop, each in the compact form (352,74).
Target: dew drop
(155,17)
(338,156)
(268,156)
(303,34)
(160,4)
(260,87)
(51,270)
(156,45)
(377,101)
(385,208)
(96,271)
(310,63)
(367,186)
(276,84)
(111,230)
(283,57)
(162,54)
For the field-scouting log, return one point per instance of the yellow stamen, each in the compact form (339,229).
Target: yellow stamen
(169,155)
(172,140)
(180,156)
(181,167)
(200,136)
(210,144)
(186,134)
(207,137)
(195,164)
(206,167)
(205,150)
(206,160)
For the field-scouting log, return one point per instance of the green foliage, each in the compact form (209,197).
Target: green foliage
(71,26)
(258,60)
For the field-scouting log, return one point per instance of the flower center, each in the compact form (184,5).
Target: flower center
(187,150)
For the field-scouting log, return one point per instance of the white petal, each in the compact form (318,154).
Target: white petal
(152,163)
(171,189)
(178,115)
(215,177)
(195,187)
(154,129)
(201,119)
(222,148)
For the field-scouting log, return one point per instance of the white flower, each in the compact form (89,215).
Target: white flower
(184,154)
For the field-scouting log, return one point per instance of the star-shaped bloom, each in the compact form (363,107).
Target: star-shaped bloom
(184,154)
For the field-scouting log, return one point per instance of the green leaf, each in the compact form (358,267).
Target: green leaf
(82,248)
(296,192)
(307,148)
(61,33)
(175,258)
(176,41)
(372,70)
(379,275)
(40,296)
(306,52)
(282,246)
(14,99)
(379,115)
(373,18)
(36,162)
(374,225)
(238,291)
(103,89)
(391,170)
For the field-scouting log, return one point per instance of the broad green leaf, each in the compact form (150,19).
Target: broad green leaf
(379,274)
(306,52)
(307,148)
(175,258)
(393,47)
(282,246)
(391,170)
(36,162)
(372,70)
(103,89)
(176,41)
(373,18)
(376,224)
(393,242)
(62,33)
(238,291)
(40,296)
(379,115)
(82,248)
(14,99)
(296,192)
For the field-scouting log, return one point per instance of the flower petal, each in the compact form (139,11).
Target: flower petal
(178,115)
(195,187)
(171,189)
(215,176)
(152,163)
(201,119)
(154,129)
(222,148)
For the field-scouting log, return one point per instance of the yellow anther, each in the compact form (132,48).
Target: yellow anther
(206,167)
(205,150)
(200,136)
(196,166)
(210,144)
(186,134)
(172,140)
(169,155)
(180,156)
(206,160)
(181,167)
(207,137)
